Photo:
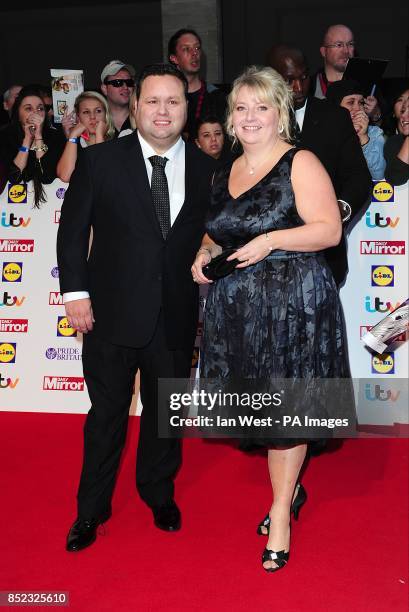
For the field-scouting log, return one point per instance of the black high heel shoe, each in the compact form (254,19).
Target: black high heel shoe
(280,558)
(298,501)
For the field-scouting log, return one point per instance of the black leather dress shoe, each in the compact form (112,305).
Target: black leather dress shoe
(167,517)
(82,534)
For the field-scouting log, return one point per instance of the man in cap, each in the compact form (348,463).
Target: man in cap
(117,85)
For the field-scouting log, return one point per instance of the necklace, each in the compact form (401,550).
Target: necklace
(253,168)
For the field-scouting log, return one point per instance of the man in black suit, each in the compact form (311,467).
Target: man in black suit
(328,132)
(145,197)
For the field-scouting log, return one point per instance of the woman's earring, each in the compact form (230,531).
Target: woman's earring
(280,128)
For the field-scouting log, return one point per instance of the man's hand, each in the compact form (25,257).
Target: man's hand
(79,314)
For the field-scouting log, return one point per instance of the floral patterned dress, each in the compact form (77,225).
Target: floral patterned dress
(278,318)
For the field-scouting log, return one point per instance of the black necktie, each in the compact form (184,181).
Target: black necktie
(160,192)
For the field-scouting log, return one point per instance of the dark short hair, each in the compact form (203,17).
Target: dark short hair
(173,41)
(207,119)
(160,70)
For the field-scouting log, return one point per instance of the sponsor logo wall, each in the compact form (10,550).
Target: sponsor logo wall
(40,355)
(377,283)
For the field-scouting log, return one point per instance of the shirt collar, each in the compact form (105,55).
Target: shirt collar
(170,154)
(301,111)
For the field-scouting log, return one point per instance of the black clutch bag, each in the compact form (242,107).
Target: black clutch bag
(218,267)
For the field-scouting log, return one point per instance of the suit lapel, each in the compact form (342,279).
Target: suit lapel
(311,120)
(134,165)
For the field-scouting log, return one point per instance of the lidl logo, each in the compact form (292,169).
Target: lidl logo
(383,364)
(12,272)
(382,276)
(17,193)
(8,352)
(64,328)
(383,192)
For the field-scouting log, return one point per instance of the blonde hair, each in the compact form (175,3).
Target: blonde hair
(85,95)
(270,87)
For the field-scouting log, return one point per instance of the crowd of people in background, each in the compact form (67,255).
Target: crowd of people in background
(34,147)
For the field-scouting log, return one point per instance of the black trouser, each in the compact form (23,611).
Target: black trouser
(109,372)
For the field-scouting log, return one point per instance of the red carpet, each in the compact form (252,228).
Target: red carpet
(349,548)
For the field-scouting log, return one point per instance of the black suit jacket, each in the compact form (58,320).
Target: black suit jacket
(328,132)
(131,272)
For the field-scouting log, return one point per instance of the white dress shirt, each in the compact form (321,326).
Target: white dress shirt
(300,114)
(175,174)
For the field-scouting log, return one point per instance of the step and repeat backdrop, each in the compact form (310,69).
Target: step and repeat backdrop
(40,355)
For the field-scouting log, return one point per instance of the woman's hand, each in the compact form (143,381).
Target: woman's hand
(360,122)
(28,134)
(76,130)
(254,251)
(203,257)
(35,122)
(100,131)
(70,125)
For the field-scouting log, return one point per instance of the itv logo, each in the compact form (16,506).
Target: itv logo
(13,221)
(379,221)
(378,305)
(375,393)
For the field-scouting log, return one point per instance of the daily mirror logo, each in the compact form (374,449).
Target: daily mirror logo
(63,383)
(16,326)
(382,247)
(16,245)
(55,299)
